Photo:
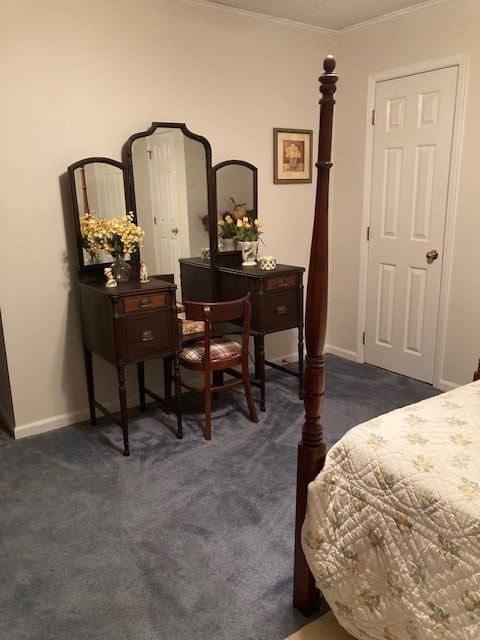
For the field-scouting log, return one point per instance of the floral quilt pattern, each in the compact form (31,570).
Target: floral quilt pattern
(392,530)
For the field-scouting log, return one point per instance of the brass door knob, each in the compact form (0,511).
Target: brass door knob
(174,230)
(432,255)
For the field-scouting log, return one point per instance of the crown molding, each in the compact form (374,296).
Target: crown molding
(258,16)
(427,4)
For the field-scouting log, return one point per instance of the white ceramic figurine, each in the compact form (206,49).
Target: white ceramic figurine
(111,282)
(143,272)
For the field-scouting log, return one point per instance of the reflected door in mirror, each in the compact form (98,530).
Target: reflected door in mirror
(171,196)
(98,188)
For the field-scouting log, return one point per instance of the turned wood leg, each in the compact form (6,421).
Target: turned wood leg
(260,358)
(167,378)
(300,363)
(90,385)
(167,381)
(178,395)
(306,596)
(123,407)
(141,385)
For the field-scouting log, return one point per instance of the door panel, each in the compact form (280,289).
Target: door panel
(411,163)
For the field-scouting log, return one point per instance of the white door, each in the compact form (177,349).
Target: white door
(411,163)
(168,198)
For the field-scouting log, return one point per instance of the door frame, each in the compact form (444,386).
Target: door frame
(459,61)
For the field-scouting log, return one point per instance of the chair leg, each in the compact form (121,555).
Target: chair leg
(248,393)
(208,407)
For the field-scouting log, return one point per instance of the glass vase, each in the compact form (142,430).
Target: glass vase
(120,268)
(228,244)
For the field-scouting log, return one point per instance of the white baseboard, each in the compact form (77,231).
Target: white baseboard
(49,424)
(341,353)
(67,419)
(285,359)
(445,385)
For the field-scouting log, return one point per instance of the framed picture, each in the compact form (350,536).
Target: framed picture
(292,153)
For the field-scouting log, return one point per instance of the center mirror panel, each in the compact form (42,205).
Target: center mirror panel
(170,170)
(236,192)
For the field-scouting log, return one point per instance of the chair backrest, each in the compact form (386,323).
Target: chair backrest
(213,312)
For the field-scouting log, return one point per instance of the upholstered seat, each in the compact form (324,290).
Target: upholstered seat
(220,349)
(217,355)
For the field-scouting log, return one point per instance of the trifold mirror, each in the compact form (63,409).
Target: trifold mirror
(166,180)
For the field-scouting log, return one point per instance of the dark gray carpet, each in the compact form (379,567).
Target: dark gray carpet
(187,540)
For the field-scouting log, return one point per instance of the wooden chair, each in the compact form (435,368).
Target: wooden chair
(214,355)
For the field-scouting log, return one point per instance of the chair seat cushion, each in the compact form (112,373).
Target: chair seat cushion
(187,327)
(220,349)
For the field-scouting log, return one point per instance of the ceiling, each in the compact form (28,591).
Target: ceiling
(327,14)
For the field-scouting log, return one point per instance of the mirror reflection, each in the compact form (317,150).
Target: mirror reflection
(99,190)
(171,197)
(236,195)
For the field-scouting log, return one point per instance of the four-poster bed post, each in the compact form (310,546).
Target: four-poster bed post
(311,449)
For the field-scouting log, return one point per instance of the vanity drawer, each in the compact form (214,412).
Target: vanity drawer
(281,282)
(144,302)
(147,336)
(281,310)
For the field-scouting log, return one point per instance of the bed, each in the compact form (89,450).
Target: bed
(388,523)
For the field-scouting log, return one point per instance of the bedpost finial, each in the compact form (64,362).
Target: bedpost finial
(329,64)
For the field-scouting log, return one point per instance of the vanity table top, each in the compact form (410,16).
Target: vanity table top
(133,286)
(252,272)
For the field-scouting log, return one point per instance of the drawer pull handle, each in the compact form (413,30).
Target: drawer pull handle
(281,283)
(281,310)
(147,336)
(145,303)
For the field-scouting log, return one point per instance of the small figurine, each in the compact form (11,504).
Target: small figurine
(143,272)
(111,282)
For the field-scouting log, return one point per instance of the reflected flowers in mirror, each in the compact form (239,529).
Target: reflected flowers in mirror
(204,220)
(227,228)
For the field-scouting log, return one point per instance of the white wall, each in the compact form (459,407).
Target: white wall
(447,28)
(78,78)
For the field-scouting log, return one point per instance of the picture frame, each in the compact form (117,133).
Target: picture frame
(292,156)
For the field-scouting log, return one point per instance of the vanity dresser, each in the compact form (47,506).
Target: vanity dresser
(167,182)
(130,323)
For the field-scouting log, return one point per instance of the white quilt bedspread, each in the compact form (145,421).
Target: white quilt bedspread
(392,532)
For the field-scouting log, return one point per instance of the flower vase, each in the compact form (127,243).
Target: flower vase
(229,244)
(121,270)
(249,253)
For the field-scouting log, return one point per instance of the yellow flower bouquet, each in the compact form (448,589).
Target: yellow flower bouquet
(248,230)
(117,236)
